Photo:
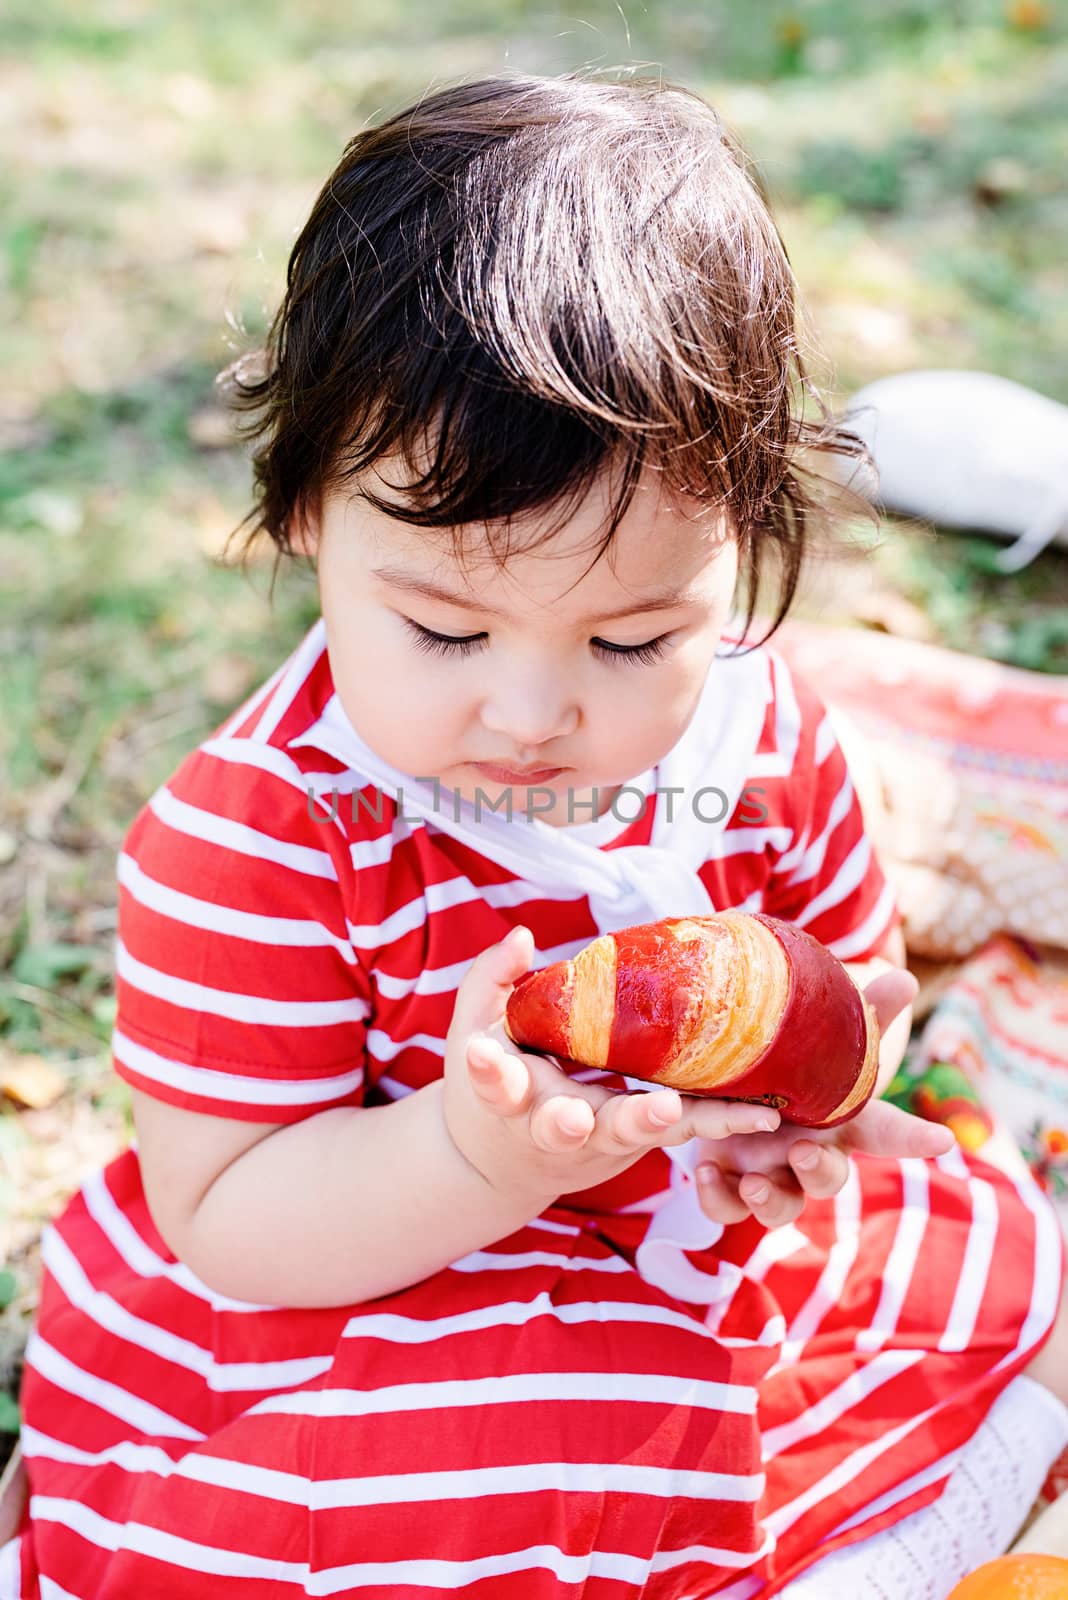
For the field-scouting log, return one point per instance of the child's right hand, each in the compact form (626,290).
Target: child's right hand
(533,1131)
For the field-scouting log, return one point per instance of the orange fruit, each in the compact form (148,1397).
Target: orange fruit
(1022,1577)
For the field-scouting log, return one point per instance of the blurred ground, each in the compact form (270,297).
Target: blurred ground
(159,161)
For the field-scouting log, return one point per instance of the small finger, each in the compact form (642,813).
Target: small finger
(717,1195)
(757,1152)
(883,1129)
(485,989)
(633,1121)
(500,1079)
(772,1203)
(890,993)
(821,1169)
(706,1118)
(563,1122)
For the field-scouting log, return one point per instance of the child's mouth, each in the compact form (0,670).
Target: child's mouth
(506,775)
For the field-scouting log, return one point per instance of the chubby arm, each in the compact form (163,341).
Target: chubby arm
(344,1206)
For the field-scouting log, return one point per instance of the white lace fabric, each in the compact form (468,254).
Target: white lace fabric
(980,1512)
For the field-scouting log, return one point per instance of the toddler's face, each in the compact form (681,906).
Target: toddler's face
(535,683)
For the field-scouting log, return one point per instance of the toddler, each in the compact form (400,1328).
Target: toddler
(377,1304)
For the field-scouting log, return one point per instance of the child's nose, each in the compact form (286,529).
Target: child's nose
(525,719)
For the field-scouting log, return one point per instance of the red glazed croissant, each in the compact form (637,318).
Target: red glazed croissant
(738,1006)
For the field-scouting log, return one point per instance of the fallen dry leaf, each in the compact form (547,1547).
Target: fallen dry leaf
(30,1080)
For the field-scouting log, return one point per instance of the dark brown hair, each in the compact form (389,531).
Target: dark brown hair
(521,283)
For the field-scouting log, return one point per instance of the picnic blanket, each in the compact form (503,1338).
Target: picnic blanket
(961,766)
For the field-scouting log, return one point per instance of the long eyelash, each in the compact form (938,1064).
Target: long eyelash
(440,644)
(642,653)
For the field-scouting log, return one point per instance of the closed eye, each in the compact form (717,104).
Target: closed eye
(444,644)
(644,653)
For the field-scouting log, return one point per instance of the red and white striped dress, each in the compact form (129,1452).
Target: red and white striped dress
(536,1420)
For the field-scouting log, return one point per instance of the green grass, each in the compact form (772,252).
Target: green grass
(162,159)
(166,157)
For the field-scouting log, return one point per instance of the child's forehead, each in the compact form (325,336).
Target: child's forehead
(660,551)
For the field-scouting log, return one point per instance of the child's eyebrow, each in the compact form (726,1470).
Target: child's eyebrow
(433,591)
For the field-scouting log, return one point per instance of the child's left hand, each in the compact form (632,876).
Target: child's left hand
(771,1175)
